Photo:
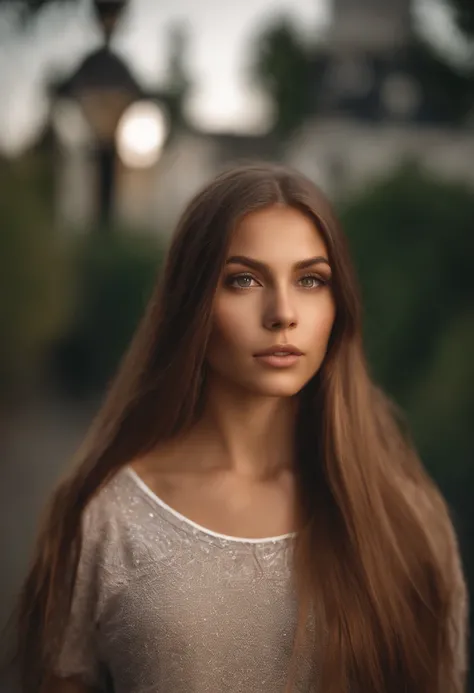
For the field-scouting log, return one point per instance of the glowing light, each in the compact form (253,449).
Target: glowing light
(141,134)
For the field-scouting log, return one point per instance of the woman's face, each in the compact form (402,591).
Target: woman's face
(274,308)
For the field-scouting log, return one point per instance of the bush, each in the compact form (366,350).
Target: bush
(114,275)
(413,243)
(34,286)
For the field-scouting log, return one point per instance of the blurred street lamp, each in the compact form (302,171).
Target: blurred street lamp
(141,133)
(101,106)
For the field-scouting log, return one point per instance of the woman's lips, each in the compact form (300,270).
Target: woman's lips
(279,356)
(279,361)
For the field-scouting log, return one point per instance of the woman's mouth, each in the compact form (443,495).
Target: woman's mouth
(279,356)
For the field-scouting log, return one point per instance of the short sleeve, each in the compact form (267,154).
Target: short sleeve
(79,656)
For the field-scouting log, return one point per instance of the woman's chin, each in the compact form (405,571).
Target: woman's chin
(278,386)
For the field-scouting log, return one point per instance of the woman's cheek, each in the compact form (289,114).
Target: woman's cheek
(233,317)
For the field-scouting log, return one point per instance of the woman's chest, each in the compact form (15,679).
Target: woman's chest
(198,619)
(227,504)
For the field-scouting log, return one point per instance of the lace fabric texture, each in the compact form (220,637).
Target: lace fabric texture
(162,605)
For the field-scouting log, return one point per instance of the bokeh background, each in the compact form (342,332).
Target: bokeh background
(112,114)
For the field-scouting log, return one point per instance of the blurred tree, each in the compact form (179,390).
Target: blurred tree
(411,236)
(33,275)
(413,243)
(290,72)
(449,89)
(23,12)
(282,67)
(113,278)
(464,16)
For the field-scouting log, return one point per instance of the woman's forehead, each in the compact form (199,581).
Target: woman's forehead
(277,231)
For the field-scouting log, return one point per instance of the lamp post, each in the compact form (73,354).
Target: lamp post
(108,13)
(104,115)
(103,112)
(101,89)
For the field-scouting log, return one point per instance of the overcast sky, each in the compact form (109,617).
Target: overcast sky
(221,34)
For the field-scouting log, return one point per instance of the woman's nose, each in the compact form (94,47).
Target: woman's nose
(280,313)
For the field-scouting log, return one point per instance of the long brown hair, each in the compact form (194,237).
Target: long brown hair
(366,568)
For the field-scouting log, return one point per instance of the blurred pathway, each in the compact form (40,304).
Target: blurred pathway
(40,443)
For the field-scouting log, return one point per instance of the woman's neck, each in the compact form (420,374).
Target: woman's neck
(248,435)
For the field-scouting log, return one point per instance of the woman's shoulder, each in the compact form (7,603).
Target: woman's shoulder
(122,526)
(106,518)
(109,502)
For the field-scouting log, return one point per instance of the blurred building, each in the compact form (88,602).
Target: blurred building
(377,100)
(368,24)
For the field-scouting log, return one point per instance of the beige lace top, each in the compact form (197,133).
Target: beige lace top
(162,605)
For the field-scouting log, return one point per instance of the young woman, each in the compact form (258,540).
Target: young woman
(247,514)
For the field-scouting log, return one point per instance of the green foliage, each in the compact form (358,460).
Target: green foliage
(413,241)
(33,274)
(448,89)
(282,68)
(464,16)
(114,275)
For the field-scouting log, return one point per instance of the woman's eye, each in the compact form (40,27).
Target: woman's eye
(241,281)
(311,281)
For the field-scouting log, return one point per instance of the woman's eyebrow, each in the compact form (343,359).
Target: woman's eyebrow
(262,267)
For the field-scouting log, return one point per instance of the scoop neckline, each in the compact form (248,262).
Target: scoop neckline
(194,525)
